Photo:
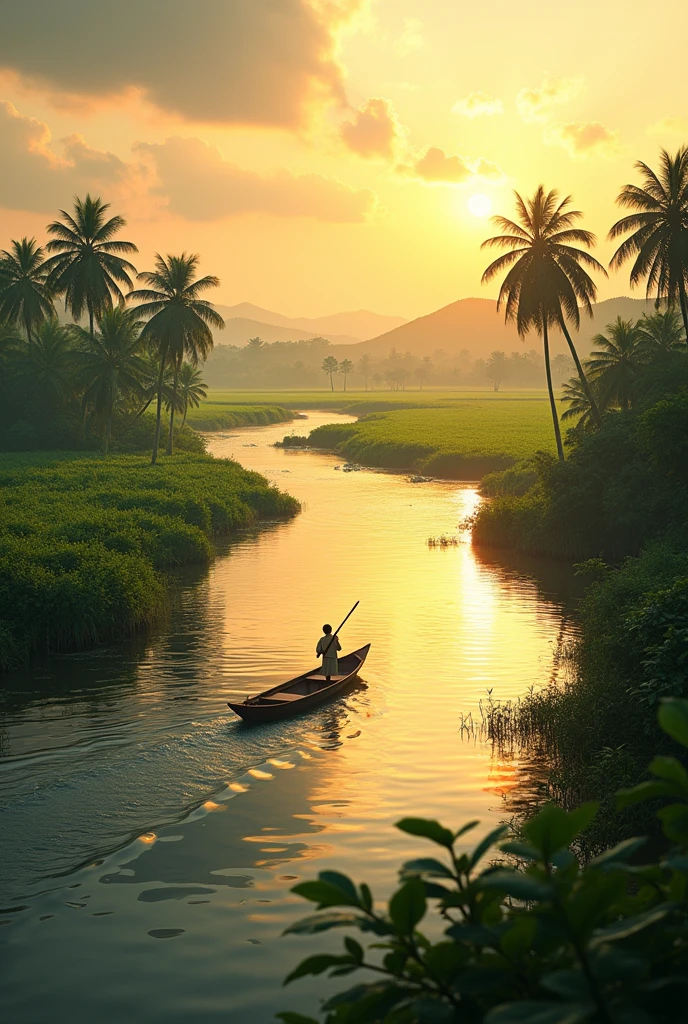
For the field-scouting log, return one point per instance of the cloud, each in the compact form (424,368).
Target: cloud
(436,167)
(263,62)
(197,183)
(669,126)
(375,130)
(585,138)
(478,104)
(36,177)
(535,104)
(411,37)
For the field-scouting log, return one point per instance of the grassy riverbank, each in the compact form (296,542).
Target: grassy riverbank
(462,442)
(212,415)
(85,542)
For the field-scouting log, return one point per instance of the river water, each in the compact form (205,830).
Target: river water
(149,840)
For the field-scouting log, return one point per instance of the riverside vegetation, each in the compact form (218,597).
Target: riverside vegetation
(85,543)
(85,540)
(533,937)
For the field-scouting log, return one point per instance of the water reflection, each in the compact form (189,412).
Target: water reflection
(191,828)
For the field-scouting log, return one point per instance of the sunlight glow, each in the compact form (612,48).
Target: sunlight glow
(480,205)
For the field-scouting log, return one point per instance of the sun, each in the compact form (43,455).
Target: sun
(480,205)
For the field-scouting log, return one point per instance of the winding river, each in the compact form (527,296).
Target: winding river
(149,841)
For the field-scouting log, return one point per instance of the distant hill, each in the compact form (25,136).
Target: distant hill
(475,325)
(239,329)
(358,325)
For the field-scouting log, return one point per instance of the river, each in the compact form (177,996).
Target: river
(149,841)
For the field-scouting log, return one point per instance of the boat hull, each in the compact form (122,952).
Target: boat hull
(271,705)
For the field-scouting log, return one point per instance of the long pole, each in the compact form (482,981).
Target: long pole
(339,627)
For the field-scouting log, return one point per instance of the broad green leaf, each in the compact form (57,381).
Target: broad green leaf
(433,891)
(516,884)
(468,827)
(314,965)
(518,849)
(426,866)
(671,769)
(628,926)
(674,820)
(621,852)
(408,905)
(517,940)
(444,959)
(340,881)
(428,830)
(485,844)
(643,791)
(568,984)
(372,1001)
(427,1010)
(553,828)
(614,963)
(323,922)
(673,718)
(540,1013)
(366,897)
(325,894)
(354,948)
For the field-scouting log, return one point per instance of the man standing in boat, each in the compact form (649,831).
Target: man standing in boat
(328,646)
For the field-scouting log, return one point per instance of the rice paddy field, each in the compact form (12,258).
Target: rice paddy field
(223,415)
(456,435)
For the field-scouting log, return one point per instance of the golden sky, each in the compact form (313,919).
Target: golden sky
(321,155)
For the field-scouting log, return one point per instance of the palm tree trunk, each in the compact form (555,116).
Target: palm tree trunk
(331,382)
(90,321)
(186,409)
(581,373)
(158,414)
(550,389)
(108,430)
(684,307)
(170,435)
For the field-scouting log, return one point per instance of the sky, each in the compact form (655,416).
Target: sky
(329,155)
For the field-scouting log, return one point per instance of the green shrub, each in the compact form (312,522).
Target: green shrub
(533,937)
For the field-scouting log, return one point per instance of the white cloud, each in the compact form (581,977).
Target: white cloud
(478,104)
(535,104)
(585,138)
(374,131)
(437,167)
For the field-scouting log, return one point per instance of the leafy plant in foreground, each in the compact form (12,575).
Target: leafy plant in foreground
(536,938)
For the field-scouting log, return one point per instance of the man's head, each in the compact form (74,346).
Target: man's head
(327,629)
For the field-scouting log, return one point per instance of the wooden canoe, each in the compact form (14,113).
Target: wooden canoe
(301,693)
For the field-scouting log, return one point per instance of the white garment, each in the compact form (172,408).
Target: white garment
(331,645)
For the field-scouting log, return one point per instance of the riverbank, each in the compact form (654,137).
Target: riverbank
(463,442)
(212,415)
(86,542)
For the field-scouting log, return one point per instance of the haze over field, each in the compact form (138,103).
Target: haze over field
(328,156)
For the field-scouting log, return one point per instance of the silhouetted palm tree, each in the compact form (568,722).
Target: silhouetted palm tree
(661,333)
(578,404)
(47,364)
(330,366)
(24,295)
(179,321)
(345,368)
(616,362)
(546,279)
(657,230)
(110,364)
(191,390)
(88,267)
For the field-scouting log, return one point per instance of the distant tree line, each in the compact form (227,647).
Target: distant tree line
(65,384)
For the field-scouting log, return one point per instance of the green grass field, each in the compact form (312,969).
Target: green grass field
(358,402)
(221,415)
(85,541)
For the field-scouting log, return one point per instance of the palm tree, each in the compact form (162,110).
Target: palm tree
(546,278)
(24,295)
(661,333)
(88,267)
(48,363)
(497,368)
(191,389)
(179,321)
(330,366)
(615,363)
(345,368)
(657,230)
(110,364)
(578,404)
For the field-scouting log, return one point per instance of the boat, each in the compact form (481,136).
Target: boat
(300,694)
